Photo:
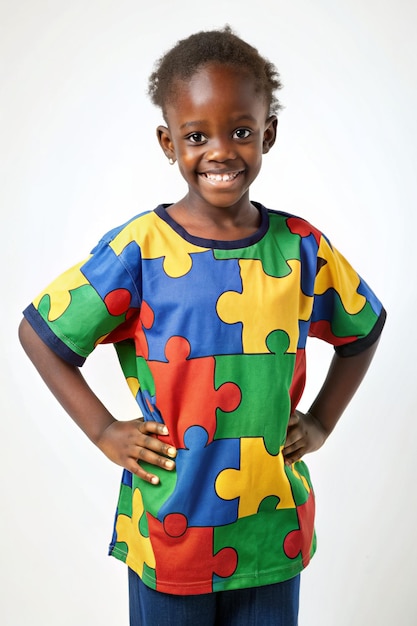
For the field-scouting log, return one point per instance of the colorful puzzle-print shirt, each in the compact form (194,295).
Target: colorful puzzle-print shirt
(211,338)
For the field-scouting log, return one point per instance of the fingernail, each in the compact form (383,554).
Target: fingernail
(169,464)
(171,452)
(154,480)
(164,430)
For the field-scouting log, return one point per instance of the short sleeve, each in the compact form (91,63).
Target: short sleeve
(346,312)
(81,307)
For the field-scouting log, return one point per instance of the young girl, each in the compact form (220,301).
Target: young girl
(209,302)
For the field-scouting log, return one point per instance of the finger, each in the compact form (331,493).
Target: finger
(290,450)
(133,464)
(146,455)
(293,456)
(293,447)
(292,459)
(157,428)
(294,437)
(148,441)
(294,420)
(134,467)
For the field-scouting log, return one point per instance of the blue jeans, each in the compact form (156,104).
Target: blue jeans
(271,605)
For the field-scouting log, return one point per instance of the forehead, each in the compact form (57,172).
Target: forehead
(217,88)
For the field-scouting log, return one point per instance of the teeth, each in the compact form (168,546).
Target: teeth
(222,177)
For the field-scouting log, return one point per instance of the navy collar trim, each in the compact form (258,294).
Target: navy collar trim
(215,243)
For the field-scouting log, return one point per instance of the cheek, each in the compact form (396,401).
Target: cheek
(253,152)
(187,160)
(255,158)
(186,166)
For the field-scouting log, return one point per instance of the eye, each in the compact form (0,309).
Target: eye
(196,138)
(242,133)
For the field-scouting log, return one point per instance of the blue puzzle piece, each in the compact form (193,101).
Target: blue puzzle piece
(303,328)
(127,478)
(105,281)
(364,290)
(197,469)
(147,404)
(308,254)
(324,306)
(207,279)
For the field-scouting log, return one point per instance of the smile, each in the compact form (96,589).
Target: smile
(221,178)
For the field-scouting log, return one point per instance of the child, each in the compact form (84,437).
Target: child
(209,302)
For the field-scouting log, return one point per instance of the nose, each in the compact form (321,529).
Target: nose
(221,149)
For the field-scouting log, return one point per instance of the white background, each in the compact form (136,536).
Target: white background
(79,156)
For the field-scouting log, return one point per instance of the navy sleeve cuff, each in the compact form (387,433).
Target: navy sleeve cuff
(52,341)
(358,346)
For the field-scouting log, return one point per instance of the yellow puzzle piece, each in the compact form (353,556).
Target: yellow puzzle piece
(260,475)
(267,303)
(139,547)
(339,274)
(160,244)
(62,298)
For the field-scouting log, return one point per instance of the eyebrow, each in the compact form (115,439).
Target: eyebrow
(244,116)
(195,123)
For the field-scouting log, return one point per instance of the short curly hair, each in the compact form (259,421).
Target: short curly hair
(215,46)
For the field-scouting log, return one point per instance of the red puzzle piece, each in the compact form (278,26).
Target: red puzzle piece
(323,330)
(298,226)
(186,555)
(185,392)
(136,321)
(300,541)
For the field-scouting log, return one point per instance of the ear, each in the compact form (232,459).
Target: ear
(164,138)
(270,133)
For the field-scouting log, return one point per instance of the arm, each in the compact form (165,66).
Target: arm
(308,432)
(123,442)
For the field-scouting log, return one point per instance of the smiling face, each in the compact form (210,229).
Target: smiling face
(218,129)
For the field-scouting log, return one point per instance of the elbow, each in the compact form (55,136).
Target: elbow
(27,336)
(22,332)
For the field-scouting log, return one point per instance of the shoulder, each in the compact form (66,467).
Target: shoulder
(295,235)
(130,228)
(295,224)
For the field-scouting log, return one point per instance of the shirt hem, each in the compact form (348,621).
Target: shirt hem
(212,586)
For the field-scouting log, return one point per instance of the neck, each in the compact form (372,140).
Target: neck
(212,222)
